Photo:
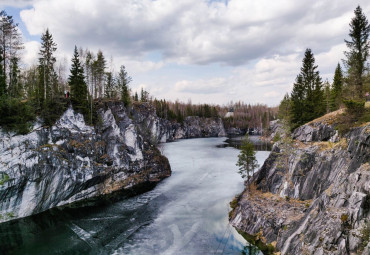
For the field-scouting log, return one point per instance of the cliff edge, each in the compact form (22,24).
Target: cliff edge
(312,194)
(73,164)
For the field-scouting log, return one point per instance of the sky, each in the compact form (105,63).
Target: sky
(208,51)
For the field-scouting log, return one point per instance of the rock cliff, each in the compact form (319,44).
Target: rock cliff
(73,164)
(312,195)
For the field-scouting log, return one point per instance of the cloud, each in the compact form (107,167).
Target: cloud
(193,31)
(30,52)
(211,86)
(16,3)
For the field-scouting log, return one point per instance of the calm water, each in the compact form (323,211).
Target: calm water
(185,214)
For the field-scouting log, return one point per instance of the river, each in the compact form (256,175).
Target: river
(186,213)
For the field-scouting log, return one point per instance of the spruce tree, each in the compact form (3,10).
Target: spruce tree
(336,91)
(307,96)
(285,108)
(47,74)
(298,96)
(15,89)
(358,53)
(123,81)
(78,85)
(110,90)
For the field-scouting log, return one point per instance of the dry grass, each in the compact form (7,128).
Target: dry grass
(367,104)
(324,146)
(329,118)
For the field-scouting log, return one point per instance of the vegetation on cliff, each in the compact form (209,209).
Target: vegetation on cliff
(310,99)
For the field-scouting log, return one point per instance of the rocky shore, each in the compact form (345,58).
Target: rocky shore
(73,164)
(312,194)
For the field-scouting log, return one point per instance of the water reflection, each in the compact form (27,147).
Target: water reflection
(250,250)
(185,214)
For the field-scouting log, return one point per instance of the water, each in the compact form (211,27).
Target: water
(185,214)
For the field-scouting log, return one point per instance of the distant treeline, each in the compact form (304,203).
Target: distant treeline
(248,116)
(244,115)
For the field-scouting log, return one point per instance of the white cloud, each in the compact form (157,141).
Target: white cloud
(261,41)
(211,86)
(30,53)
(16,3)
(193,31)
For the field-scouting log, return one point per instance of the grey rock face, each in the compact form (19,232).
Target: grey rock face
(162,130)
(72,163)
(314,198)
(314,132)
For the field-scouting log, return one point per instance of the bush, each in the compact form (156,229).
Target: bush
(354,107)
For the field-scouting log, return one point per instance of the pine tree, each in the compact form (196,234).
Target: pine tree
(247,161)
(336,91)
(78,85)
(358,53)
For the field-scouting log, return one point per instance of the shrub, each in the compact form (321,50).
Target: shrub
(277,137)
(344,218)
(354,107)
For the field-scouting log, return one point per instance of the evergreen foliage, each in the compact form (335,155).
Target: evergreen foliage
(110,84)
(16,115)
(285,108)
(307,97)
(47,88)
(337,89)
(123,81)
(15,89)
(78,85)
(247,161)
(354,107)
(358,52)
(144,95)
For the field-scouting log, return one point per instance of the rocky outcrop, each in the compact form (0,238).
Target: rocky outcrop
(73,164)
(316,131)
(163,130)
(311,196)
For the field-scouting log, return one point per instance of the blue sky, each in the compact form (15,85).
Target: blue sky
(206,51)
